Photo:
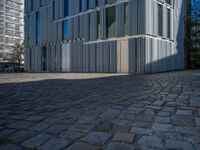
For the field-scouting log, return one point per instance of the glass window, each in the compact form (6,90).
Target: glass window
(65,30)
(87,4)
(168,2)
(53,10)
(160,20)
(169,23)
(98,26)
(110,22)
(80,6)
(31,5)
(96,3)
(38,28)
(126,18)
(66,7)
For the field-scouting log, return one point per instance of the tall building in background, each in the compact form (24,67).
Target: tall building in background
(11,25)
(143,36)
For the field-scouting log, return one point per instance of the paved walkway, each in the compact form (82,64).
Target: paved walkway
(100,111)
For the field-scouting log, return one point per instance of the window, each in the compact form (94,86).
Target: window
(168,2)
(31,5)
(80,6)
(126,18)
(53,10)
(98,26)
(41,3)
(87,4)
(28,26)
(96,3)
(66,7)
(65,30)
(38,28)
(160,20)
(110,22)
(169,23)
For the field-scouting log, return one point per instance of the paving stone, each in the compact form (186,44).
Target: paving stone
(195,139)
(161,127)
(120,128)
(141,124)
(103,126)
(119,146)
(87,119)
(36,141)
(197,121)
(82,146)
(6,132)
(169,109)
(55,144)
(127,116)
(164,114)
(56,129)
(71,135)
(35,118)
(40,126)
(142,131)
(18,117)
(153,107)
(164,105)
(4,122)
(197,146)
(99,138)
(159,103)
(151,141)
(184,112)
(163,119)
(123,137)
(195,103)
(183,145)
(21,136)
(187,130)
(85,128)
(121,122)
(146,118)
(10,147)
(110,114)
(169,135)
(183,120)
(21,125)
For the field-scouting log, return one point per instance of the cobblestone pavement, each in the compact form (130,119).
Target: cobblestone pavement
(100,111)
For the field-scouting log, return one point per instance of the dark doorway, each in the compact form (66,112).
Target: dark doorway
(44,58)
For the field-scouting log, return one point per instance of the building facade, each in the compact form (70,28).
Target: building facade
(137,36)
(11,25)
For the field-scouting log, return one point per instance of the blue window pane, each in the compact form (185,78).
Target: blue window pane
(38,28)
(65,30)
(66,7)
(53,10)
(80,6)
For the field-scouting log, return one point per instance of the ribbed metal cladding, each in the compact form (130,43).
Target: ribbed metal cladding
(87,47)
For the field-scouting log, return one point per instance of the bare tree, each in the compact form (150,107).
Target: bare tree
(18,52)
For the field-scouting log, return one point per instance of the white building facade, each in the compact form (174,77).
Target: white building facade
(11,25)
(137,36)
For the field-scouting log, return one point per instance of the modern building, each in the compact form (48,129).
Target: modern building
(137,36)
(11,25)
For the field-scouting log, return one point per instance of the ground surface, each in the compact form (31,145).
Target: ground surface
(100,111)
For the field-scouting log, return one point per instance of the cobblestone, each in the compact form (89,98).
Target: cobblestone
(123,137)
(119,146)
(55,144)
(36,141)
(151,141)
(99,138)
(100,111)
